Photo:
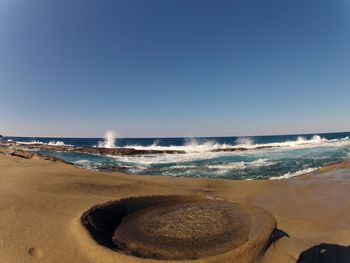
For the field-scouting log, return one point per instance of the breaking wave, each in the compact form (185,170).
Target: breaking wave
(246,143)
(29,143)
(58,143)
(35,142)
(191,146)
(297,173)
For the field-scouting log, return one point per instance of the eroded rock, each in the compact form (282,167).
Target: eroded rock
(182,228)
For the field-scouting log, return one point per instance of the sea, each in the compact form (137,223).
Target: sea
(290,155)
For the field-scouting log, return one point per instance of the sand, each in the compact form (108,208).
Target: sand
(41,203)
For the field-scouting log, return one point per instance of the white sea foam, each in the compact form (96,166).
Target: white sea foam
(241,165)
(150,159)
(297,173)
(58,143)
(184,161)
(51,143)
(202,160)
(194,146)
(83,162)
(29,143)
(196,151)
(261,162)
(228,166)
(88,164)
(109,140)
(191,146)
(179,166)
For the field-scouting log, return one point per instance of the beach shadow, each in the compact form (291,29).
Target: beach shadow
(275,236)
(278,234)
(325,253)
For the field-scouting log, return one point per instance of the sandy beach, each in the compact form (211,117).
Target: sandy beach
(42,202)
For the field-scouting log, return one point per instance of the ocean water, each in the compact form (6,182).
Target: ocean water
(293,155)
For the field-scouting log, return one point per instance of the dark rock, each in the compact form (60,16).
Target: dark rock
(91,150)
(325,253)
(111,151)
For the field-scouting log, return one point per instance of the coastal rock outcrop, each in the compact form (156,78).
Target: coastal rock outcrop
(91,150)
(110,151)
(30,155)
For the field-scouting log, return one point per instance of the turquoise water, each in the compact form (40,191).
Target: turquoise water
(292,155)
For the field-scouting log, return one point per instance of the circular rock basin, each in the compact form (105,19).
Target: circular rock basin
(192,229)
(182,228)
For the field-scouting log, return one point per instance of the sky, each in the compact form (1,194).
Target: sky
(168,68)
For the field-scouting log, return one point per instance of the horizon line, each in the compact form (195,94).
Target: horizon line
(174,137)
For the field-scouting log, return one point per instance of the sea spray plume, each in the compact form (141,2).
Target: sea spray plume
(193,145)
(109,140)
(244,142)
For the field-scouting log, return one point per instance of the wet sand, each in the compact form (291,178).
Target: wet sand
(41,203)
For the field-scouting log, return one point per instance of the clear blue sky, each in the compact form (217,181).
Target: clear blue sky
(174,67)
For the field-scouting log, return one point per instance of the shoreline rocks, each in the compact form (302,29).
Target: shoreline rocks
(30,155)
(110,151)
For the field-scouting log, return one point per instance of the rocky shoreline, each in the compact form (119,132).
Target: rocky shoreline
(110,151)
(30,155)
(26,154)
(26,151)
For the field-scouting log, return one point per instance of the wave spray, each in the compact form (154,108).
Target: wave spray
(109,140)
